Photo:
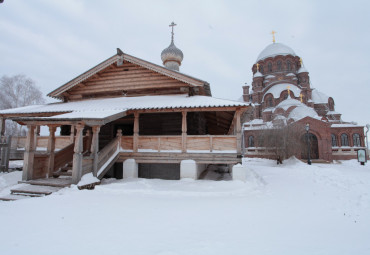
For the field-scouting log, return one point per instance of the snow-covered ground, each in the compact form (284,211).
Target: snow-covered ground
(288,209)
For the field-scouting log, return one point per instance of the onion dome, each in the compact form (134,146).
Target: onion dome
(172,56)
(275,49)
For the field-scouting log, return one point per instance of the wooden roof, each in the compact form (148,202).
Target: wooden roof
(123,72)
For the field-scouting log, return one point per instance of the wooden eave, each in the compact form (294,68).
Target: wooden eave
(57,93)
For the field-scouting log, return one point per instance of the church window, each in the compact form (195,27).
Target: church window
(344,140)
(356,140)
(251,141)
(269,102)
(261,69)
(333,140)
(288,65)
(269,67)
(285,96)
(279,65)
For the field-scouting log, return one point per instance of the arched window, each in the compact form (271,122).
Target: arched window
(251,141)
(269,67)
(331,104)
(333,140)
(344,140)
(285,96)
(356,140)
(279,65)
(269,102)
(288,66)
(261,69)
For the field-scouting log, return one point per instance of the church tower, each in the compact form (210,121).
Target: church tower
(172,56)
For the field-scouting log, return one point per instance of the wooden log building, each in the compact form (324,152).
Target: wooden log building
(136,117)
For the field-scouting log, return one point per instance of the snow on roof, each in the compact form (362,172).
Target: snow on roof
(270,76)
(303,111)
(101,108)
(258,74)
(302,70)
(344,125)
(285,104)
(290,74)
(332,113)
(270,109)
(275,49)
(319,97)
(276,90)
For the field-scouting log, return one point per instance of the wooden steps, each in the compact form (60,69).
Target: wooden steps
(12,197)
(34,190)
(52,182)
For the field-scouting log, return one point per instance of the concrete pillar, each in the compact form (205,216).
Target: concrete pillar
(50,150)
(77,156)
(190,169)
(29,154)
(130,169)
(95,148)
(239,172)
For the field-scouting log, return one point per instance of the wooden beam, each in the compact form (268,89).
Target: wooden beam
(136,132)
(238,131)
(95,148)
(29,154)
(77,156)
(184,130)
(2,126)
(50,150)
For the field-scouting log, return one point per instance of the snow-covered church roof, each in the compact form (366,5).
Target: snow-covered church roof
(319,97)
(275,49)
(285,104)
(303,111)
(276,90)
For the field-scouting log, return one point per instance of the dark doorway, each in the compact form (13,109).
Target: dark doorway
(314,146)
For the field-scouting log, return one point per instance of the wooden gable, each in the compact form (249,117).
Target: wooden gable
(126,75)
(128,79)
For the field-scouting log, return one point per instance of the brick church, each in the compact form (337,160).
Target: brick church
(281,94)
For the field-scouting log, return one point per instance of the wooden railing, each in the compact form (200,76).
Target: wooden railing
(194,143)
(107,152)
(42,141)
(63,156)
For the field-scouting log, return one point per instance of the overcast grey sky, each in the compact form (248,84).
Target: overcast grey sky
(54,41)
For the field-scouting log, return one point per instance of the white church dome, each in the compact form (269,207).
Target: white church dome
(275,49)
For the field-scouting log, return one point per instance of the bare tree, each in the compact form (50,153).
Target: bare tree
(17,91)
(283,140)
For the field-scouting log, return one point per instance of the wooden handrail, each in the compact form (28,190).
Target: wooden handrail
(63,156)
(108,151)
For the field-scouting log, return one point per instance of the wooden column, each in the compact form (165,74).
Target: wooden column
(37,133)
(88,141)
(77,156)
(184,130)
(29,154)
(95,148)
(238,131)
(2,126)
(72,135)
(136,132)
(50,150)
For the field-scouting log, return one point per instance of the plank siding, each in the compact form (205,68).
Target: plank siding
(128,77)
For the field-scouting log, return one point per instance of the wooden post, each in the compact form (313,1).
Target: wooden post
(37,133)
(2,126)
(238,132)
(95,148)
(184,130)
(29,154)
(136,132)
(72,135)
(50,150)
(88,141)
(77,156)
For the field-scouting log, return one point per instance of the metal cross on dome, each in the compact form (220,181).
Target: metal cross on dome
(273,35)
(172,25)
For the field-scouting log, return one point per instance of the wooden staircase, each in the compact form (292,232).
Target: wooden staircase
(37,188)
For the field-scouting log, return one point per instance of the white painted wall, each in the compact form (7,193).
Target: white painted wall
(190,169)
(239,172)
(130,169)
